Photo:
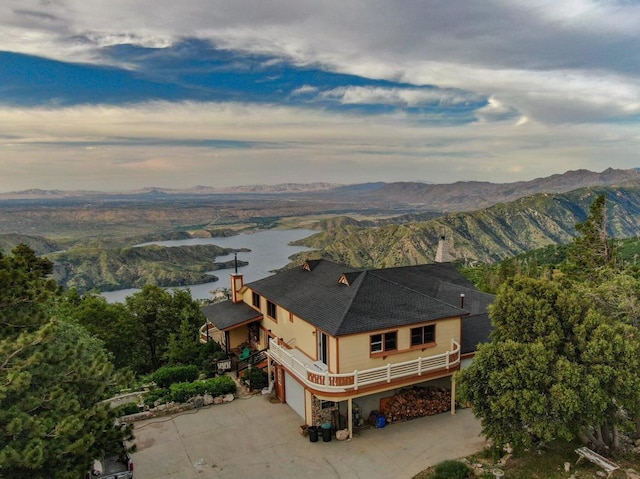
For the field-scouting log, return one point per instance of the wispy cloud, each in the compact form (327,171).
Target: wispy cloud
(402,97)
(338,89)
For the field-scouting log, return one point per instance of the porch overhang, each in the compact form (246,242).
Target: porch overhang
(227,315)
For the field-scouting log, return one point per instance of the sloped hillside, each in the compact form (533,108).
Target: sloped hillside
(88,267)
(471,195)
(39,244)
(487,235)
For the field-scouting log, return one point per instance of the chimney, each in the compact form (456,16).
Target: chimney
(442,254)
(237,282)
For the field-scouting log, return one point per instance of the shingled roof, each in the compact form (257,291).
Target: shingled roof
(342,300)
(227,315)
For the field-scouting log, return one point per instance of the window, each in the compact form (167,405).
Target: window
(271,310)
(384,342)
(423,335)
(256,300)
(328,404)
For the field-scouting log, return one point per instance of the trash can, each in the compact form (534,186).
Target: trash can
(313,433)
(326,432)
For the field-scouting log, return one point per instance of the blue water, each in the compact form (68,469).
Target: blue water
(270,250)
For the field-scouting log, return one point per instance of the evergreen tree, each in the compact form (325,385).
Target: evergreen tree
(158,314)
(112,323)
(592,249)
(556,367)
(52,377)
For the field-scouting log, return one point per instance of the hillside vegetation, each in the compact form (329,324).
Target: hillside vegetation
(109,268)
(373,225)
(489,235)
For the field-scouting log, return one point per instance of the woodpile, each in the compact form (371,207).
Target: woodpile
(416,402)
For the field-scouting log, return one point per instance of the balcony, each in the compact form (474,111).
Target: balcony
(312,377)
(208,332)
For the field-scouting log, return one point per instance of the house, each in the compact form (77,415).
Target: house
(334,334)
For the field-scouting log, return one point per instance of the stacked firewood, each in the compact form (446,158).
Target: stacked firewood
(416,402)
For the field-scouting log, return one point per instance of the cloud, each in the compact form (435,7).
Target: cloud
(174,144)
(375,90)
(552,61)
(405,97)
(304,90)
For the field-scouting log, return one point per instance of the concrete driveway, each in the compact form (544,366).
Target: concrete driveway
(254,437)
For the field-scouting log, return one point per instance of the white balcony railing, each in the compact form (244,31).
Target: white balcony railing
(329,382)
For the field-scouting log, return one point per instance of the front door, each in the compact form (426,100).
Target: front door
(323,355)
(280,389)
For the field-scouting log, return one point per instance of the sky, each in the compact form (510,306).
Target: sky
(124,94)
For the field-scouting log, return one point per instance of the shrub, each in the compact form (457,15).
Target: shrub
(451,470)
(168,375)
(152,396)
(256,378)
(128,408)
(181,392)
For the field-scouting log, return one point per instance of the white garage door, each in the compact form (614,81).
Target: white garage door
(294,393)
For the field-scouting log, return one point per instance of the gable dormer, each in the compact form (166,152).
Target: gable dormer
(349,278)
(309,265)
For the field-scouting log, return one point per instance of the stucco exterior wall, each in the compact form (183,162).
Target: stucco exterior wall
(237,336)
(291,329)
(354,349)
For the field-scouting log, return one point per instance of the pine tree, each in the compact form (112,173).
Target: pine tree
(557,366)
(53,375)
(592,249)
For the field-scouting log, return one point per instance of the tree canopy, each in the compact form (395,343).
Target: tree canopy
(53,374)
(557,366)
(564,357)
(158,314)
(592,248)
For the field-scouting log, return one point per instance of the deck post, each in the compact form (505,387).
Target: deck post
(453,394)
(350,417)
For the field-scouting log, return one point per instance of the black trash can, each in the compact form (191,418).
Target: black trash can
(326,432)
(313,433)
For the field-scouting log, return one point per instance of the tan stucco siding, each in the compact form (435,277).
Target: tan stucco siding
(296,332)
(292,330)
(354,349)
(333,354)
(237,336)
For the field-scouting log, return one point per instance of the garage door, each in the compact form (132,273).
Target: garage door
(294,392)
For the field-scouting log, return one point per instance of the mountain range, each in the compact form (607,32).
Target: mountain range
(484,235)
(370,225)
(458,196)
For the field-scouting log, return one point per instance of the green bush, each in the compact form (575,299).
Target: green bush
(256,378)
(152,396)
(181,392)
(128,408)
(451,470)
(168,375)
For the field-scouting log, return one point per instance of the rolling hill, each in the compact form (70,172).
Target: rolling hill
(485,235)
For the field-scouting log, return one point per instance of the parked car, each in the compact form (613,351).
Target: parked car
(117,466)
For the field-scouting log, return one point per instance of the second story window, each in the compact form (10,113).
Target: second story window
(380,343)
(271,310)
(256,300)
(423,335)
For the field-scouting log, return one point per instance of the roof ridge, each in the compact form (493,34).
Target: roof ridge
(474,290)
(420,293)
(359,280)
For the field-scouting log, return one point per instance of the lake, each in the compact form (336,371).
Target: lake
(270,250)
